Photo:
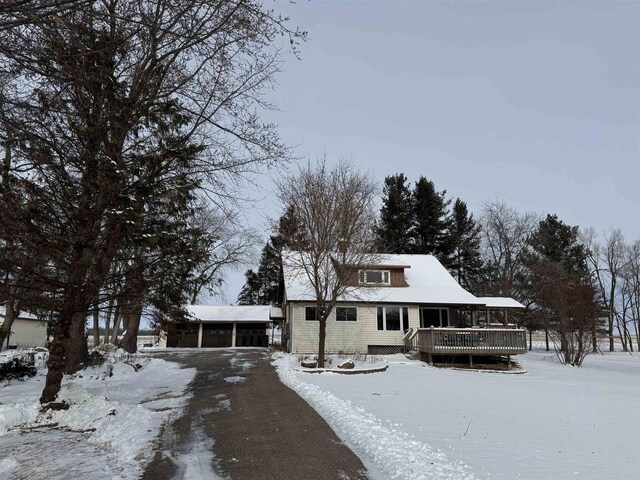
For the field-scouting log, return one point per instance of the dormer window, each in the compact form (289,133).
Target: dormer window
(374,277)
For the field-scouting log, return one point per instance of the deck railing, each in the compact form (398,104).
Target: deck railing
(410,340)
(472,341)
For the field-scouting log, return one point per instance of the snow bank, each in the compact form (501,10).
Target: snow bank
(386,451)
(115,419)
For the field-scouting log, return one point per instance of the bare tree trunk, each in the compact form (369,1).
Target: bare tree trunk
(116,327)
(321,340)
(96,327)
(594,340)
(546,337)
(77,351)
(129,340)
(107,320)
(610,332)
(10,314)
(530,340)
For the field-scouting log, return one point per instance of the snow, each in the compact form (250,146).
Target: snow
(234,379)
(233,313)
(555,421)
(22,316)
(501,302)
(385,449)
(428,282)
(113,421)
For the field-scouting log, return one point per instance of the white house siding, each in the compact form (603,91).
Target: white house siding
(27,333)
(346,337)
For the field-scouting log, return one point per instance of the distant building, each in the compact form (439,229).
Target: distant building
(27,331)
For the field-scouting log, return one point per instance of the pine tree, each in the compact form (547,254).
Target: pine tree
(465,261)
(555,241)
(250,292)
(430,231)
(267,283)
(396,216)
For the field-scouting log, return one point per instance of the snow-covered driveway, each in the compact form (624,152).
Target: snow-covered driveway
(108,431)
(555,422)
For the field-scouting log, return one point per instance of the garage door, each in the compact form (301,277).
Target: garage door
(217,334)
(182,335)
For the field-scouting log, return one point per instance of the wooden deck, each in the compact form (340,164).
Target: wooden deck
(471,341)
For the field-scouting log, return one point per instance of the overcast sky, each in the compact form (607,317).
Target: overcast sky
(536,103)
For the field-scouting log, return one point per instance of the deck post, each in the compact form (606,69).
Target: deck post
(508,362)
(471,360)
(506,317)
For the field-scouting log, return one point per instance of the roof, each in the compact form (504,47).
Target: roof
(22,316)
(233,313)
(501,302)
(428,282)
(276,312)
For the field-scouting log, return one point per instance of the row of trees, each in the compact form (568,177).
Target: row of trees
(126,129)
(421,219)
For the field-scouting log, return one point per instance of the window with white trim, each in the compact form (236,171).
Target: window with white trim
(434,317)
(346,314)
(393,318)
(374,277)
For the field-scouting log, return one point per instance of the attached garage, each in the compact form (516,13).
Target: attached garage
(221,327)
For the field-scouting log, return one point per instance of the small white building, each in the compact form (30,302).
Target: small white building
(220,326)
(27,331)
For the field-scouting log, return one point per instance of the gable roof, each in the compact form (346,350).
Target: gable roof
(22,316)
(428,282)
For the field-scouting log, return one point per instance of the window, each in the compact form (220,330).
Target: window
(346,314)
(310,314)
(434,317)
(374,277)
(393,318)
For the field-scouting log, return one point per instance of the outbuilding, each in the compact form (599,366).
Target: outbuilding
(220,326)
(27,331)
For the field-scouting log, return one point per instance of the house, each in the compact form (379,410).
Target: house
(222,326)
(400,303)
(27,331)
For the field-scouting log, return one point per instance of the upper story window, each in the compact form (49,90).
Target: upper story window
(374,277)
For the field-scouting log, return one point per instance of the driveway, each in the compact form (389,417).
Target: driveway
(243,423)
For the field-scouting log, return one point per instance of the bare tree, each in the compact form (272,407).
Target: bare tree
(606,262)
(335,209)
(569,302)
(230,245)
(504,236)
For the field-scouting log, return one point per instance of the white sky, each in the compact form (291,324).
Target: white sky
(536,103)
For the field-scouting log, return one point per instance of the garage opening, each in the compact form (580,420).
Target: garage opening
(252,335)
(217,335)
(183,335)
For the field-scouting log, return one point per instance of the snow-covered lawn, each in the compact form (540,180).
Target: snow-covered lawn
(416,421)
(107,432)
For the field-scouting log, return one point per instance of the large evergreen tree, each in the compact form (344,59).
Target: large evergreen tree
(465,261)
(266,285)
(396,216)
(249,295)
(562,287)
(431,222)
